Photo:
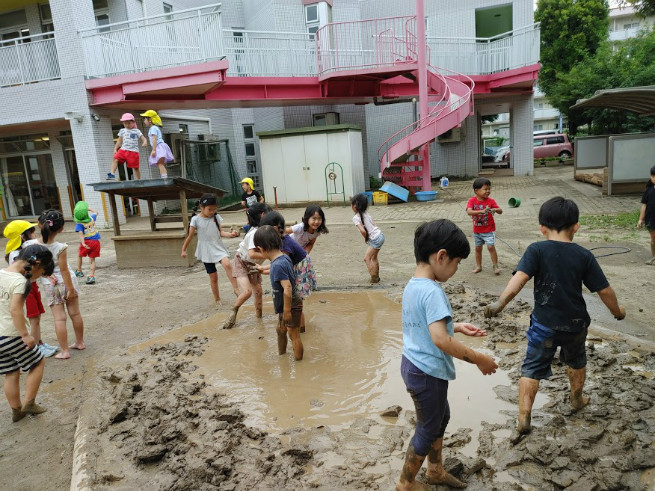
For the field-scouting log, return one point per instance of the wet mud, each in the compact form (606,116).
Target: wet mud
(202,408)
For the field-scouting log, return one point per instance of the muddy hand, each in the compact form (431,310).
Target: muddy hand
(493,309)
(486,364)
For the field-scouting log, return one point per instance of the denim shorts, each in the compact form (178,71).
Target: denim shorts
(430,396)
(542,345)
(488,238)
(377,242)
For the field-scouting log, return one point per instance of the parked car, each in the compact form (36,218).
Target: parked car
(545,146)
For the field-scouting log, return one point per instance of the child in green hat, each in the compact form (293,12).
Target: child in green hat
(89,239)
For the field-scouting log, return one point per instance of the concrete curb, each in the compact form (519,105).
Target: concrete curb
(81,479)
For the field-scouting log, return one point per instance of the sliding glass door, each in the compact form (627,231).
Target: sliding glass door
(29,185)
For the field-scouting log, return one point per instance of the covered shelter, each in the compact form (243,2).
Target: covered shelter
(158,247)
(625,158)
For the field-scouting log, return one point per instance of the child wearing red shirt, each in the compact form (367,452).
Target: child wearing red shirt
(482,209)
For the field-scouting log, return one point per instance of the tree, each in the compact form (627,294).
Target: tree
(571,32)
(645,8)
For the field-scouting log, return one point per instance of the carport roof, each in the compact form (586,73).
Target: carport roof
(637,99)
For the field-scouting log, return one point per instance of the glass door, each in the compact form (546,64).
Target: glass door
(41,179)
(16,192)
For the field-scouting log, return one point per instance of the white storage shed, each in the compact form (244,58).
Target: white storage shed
(296,162)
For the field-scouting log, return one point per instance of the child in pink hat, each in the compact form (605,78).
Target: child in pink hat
(127,147)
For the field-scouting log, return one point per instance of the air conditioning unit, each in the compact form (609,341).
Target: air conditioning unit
(452,136)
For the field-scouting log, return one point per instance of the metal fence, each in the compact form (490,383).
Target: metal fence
(269,54)
(178,38)
(28,59)
(480,56)
(365,44)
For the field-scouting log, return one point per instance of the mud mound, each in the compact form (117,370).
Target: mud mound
(177,437)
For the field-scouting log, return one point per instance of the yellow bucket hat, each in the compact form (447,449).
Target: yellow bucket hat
(248,181)
(13,231)
(153,116)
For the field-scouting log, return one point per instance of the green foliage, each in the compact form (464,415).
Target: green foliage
(490,118)
(571,32)
(627,64)
(374,182)
(645,8)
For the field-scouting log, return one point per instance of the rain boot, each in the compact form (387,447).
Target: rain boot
(413,463)
(436,473)
(576,379)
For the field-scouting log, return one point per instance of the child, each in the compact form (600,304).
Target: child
(372,235)
(245,264)
(647,213)
(85,226)
(128,142)
(250,196)
(288,304)
(429,346)
(210,249)
(20,234)
(61,293)
(560,317)
(313,225)
(482,208)
(161,152)
(302,266)
(18,349)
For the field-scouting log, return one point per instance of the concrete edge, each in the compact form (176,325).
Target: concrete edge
(81,478)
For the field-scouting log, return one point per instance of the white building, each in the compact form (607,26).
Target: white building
(57,137)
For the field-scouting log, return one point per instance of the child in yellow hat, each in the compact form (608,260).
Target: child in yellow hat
(161,153)
(250,196)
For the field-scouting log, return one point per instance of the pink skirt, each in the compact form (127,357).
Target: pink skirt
(163,151)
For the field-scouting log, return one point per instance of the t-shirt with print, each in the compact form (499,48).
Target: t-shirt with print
(648,199)
(294,250)
(251,198)
(155,131)
(559,270)
(89,229)
(130,139)
(484,223)
(302,236)
(10,284)
(281,269)
(371,228)
(425,302)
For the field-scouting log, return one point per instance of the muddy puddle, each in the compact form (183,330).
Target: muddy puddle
(204,408)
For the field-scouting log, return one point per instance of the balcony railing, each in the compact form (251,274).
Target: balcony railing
(365,44)
(178,38)
(28,59)
(623,34)
(269,54)
(481,56)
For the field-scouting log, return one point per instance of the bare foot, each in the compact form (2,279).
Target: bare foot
(229,322)
(302,328)
(446,479)
(79,346)
(17,414)
(31,407)
(258,313)
(496,270)
(477,270)
(579,402)
(375,279)
(236,292)
(64,355)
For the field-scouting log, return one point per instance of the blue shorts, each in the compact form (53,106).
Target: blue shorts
(210,268)
(430,396)
(377,242)
(488,238)
(542,345)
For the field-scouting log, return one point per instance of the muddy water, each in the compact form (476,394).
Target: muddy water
(350,368)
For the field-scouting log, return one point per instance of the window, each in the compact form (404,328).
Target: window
(555,140)
(183,129)
(46,18)
(538,127)
(311,30)
(538,142)
(250,149)
(255,180)
(631,25)
(326,119)
(251,166)
(248,132)
(168,8)
(311,14)
(101,12)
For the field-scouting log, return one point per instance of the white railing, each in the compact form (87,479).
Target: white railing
(623,34)
(28,59)
(178,38)
(365,44)
(269,54)
(481,56)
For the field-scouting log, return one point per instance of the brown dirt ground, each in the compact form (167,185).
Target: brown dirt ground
(129,306)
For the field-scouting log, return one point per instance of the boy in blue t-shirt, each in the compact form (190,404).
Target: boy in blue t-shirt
(85,226)
(287,302)
(429,347)
(559,317)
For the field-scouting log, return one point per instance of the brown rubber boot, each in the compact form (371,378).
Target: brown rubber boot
(31,407)
(17,414)
(413,463)
(436,473)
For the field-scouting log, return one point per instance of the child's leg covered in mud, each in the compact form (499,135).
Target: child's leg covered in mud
(225,262)
(294,329)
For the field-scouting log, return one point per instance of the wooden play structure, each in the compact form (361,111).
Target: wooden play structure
(157,248)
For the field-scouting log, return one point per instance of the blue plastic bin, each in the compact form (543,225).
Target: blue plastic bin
(369,197)
(426,195)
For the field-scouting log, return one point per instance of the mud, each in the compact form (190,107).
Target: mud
(165,418)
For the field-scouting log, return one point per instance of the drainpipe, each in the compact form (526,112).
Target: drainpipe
(424,152)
